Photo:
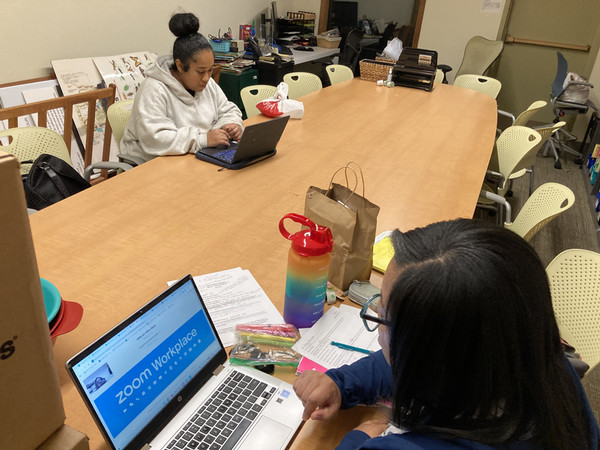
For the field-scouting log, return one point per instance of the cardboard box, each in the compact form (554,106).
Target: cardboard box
(31,407)
(66,438)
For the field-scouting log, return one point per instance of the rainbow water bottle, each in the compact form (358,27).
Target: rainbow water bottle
(307,272)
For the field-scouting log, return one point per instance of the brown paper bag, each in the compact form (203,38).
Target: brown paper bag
(352,220)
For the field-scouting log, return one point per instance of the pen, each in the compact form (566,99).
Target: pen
(350,347)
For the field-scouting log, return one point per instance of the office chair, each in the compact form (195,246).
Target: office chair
(338,73)
(30,142)
(547,202)
(479,83)
(574,277)
(118,115)
(351,49)
(527,164)
(561,107)
(479,55)
(251,95)
(302,83)
(514,145)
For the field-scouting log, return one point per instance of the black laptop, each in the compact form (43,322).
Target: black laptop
(258,142)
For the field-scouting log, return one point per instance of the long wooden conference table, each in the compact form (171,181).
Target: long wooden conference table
(113,247)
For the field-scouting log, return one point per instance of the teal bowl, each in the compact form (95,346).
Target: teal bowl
(51,299)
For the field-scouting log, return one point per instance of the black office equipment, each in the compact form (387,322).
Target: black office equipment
(258,142)
(415,68)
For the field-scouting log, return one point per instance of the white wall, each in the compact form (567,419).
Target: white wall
(448,25)
(34,32)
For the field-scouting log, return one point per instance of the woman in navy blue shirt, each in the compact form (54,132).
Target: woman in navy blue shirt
(471,356)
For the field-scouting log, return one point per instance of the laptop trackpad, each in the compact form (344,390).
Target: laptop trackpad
(266,435)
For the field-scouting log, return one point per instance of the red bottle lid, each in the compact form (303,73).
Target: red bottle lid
(315,241)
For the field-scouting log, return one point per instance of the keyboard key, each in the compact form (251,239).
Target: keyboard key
(237,405)
(253,384)
(209,439)
(203,446)
(215,446)
(211,422)
(187,436)
(171,444)
(236,435)
(193,444)
(237,418)
(256,407)
(226,432)
(251,415)
(193,428)
(215,432)
(180,444)
(199,437)
(221,439)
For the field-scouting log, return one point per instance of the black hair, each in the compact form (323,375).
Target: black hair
(189,42)
(474,343)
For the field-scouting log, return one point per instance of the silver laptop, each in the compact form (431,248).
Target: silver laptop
(160,380)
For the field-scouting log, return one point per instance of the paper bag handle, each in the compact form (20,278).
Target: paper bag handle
(345,169)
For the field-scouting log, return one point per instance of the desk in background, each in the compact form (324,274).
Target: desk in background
(113,247)
(301,57)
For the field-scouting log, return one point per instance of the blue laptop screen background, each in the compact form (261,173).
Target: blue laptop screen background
(131,377)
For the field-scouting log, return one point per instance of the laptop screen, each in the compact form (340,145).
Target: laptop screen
(134,371)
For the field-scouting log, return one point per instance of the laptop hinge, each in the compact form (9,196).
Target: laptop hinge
(218,370)
(146,447)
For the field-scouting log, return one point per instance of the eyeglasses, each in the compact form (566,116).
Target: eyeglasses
(371,322)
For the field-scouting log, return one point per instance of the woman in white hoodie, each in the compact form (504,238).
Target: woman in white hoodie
(179,108)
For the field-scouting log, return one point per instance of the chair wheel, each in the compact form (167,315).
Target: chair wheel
(509,193)
(557,165)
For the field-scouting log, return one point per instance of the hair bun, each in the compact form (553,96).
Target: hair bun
(184,24)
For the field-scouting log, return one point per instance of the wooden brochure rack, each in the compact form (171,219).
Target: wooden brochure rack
(13,113)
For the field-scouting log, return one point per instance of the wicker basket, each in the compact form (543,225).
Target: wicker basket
(375,69)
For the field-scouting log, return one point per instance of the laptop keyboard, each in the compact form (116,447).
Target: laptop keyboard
(225,416)
(225,155)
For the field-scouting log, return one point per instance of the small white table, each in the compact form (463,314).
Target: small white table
(317,53)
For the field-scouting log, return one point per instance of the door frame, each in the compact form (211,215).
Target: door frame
(324,16)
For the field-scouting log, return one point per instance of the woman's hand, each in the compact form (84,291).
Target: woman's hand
(233,130)
(373,427)
(319,394)
(214,138)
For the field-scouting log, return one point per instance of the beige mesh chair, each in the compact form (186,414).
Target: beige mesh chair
(251,95)
(30,142)
(338,73)
(479,83)
(547,202)
(439,76)
(574,277)
(527,164)
(27,143)
(479,55)
(302,83)
(118,115)
(513,146)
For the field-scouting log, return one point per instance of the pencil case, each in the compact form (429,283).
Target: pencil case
(361,291)
(257,345)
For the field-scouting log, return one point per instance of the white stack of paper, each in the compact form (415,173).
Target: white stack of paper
(341,325)
(234,297)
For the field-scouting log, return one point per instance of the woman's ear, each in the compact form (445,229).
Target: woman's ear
(179,65)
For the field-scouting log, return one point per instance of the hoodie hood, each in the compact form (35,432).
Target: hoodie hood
(161,71)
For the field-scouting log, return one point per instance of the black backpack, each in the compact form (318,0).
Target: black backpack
(50,180)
